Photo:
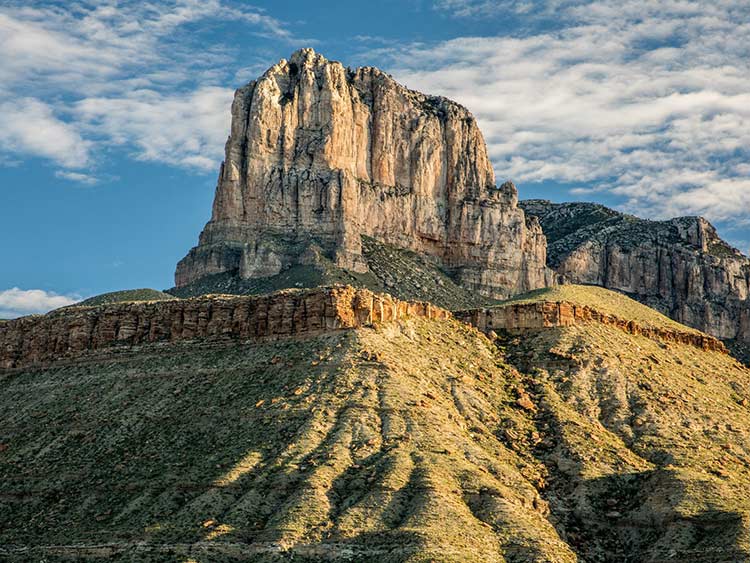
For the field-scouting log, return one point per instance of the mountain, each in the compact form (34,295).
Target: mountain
(351,366)
(333,175)
(337,425)
(320,155)
(680,267)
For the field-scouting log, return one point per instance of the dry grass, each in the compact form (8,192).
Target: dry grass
(126,295)
(412,441)
(384,444)
(648,444)
(604,300)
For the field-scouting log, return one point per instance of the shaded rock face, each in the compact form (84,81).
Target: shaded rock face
(320,155)
(74,331)
(680,267)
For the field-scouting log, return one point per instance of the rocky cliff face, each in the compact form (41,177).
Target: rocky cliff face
(74,331)
(680,267)
(517,318)
(320,155)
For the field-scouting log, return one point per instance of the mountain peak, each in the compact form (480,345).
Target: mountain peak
(321,156)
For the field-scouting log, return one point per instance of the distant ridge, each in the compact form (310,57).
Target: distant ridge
(680,267)
(143,294)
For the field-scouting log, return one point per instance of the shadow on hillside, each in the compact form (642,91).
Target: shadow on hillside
(648,517)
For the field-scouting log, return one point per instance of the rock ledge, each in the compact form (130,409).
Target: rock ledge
(73,331)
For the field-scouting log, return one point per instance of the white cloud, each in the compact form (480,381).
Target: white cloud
(183,129)
(85,179)
(84,46)
(643,99)
(721,199)
(30,126)
(17,302)
(469,8)
(647,100)
(87,58)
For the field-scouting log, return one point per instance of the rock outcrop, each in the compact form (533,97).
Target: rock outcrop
(73,331)
(680,267)
(524,316)
(320,155)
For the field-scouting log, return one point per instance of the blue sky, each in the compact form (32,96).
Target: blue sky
(113,115)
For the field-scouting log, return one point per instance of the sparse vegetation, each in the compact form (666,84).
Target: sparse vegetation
(647,445)
(569,226)
(605,300)
(144,294)
(402,273)
(721,249)
(411,441)
(384,444)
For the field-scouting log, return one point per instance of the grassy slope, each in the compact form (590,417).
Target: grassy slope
(382,445)
(411,442)
(647,445)
(144,294)
(397,271)
(604,300)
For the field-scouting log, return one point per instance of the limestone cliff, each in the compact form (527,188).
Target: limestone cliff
(74,331)
(320,155)
(680,267)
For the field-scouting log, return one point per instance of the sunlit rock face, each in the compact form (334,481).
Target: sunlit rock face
(320,154)
(680,267)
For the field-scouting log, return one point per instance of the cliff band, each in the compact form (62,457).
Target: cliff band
(73,331)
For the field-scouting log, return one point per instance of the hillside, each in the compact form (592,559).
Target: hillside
(646,443)
(603,300)
(377,444)
(403,273)
(416,439)
(680,266)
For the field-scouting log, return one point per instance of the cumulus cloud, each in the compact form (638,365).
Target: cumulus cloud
(646,100)
(649,101)
(186,129)
(83,46)
(17,302)
(30,126)
(87,58)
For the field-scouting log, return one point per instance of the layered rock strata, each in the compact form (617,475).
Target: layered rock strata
(681,267)
(73,331)
(524,316)
(320,155)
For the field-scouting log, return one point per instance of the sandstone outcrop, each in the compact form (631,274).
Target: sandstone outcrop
(545,314)
(680,267)
(72,331)
(320,155)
